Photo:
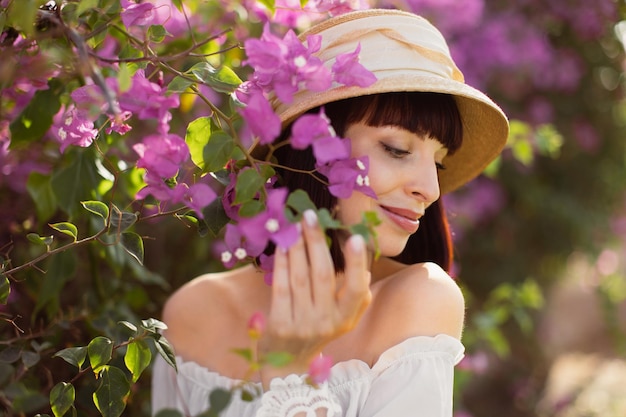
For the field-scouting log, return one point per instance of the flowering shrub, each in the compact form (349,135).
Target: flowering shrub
(123,123)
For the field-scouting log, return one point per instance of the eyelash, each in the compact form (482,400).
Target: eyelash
(395,152)
(399,153)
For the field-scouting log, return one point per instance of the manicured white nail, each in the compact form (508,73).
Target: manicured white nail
(310,218)
(357,243)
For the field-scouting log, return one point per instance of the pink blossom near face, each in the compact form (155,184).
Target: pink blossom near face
(271,224)
(348,175)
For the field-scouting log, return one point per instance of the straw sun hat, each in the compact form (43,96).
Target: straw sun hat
(407,53)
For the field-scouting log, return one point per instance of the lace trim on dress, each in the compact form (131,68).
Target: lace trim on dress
(294,397)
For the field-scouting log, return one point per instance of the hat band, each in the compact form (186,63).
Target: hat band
(430,54)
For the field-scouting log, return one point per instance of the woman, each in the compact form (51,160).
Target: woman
(392,324)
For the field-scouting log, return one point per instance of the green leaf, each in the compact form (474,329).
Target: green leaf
(73,355)
(196,137)
(249,183)
(157,33)
(62,398)
(166,351)
(22,15)
(122,220)
(153,325)
(5,289)
(219,399)
(60,269)
(66,228)
(40,240)
(270,4)
(76,182)
(326,220)
(30,359)
(245,353)
(96,207)
(124,77)
(36,118)
(278,359)
(130,326)
(222,80)
(300,201)
(100,351)
(85,5)
(133,244)
(38,186)
(137,357)
(179,85)
(251,208)
(110,396)
(218,151)
(215,217)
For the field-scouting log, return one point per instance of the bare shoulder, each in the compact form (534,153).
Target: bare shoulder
(421,299)
(190,312)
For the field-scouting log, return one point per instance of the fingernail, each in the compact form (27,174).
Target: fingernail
(310,217)
(357,243)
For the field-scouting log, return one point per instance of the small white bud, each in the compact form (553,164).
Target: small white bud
(241,253)
(272,225)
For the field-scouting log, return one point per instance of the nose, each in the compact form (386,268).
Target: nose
(423,182)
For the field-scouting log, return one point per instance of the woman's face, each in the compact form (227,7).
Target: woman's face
(403,174)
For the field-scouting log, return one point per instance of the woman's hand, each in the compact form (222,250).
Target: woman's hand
(310,307)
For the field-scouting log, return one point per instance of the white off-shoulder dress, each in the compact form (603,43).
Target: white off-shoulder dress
(413,378)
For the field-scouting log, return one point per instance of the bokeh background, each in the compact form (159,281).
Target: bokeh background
(540,238)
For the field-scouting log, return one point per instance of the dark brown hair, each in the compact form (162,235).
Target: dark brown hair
(431,114)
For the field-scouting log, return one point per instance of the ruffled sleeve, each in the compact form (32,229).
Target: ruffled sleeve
(414,377)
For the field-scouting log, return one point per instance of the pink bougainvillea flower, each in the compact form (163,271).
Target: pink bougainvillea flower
(319,369)
(347,175)
(348,71)
(261,119)
(235,247)
(271,224)
(337,7)
(256,325)
(198,196)
(316,130)
(138,14)
(281,65)
(162,154)
(148,100)
(73,128)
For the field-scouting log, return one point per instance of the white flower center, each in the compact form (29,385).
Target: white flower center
(272,225)
(62,133)
(360,180)
(226,256)
(240,253)
(360,165)
(299,61)
(68,120)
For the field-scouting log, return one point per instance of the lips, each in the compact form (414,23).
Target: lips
(406,219)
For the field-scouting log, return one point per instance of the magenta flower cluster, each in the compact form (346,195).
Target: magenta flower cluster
(282,67)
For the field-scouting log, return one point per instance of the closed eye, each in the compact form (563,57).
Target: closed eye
(394,152)
(440,166)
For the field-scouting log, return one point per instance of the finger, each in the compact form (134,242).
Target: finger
(354,295)
(321,263)
(300,280)
(281,310)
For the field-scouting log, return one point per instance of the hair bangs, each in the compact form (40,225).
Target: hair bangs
(428,114)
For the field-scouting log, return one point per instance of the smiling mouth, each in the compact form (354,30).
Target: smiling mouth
(406,219)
